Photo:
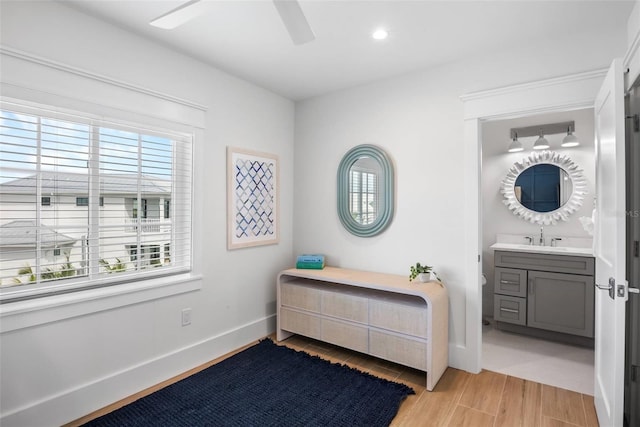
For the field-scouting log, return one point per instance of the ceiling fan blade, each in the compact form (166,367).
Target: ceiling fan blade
(295,21)
(178,16)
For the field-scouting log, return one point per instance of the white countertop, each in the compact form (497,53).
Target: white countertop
(558,250)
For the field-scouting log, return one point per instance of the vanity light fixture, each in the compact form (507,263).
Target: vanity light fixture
(570,140)
(541,143)
(380,34)
(515,145)
(541,130)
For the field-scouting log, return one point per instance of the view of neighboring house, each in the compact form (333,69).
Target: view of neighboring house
(17,238)
(134,232)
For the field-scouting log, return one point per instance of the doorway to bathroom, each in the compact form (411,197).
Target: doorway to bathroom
(538,354)
(632,350)
(562,94)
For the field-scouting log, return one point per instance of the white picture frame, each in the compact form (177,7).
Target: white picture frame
(252,198)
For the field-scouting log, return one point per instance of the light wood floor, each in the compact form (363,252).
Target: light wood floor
(460,399)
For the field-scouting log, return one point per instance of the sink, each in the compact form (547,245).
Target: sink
(565,250)
(532,248)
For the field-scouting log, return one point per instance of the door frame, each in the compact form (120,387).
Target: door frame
(572,92)
(632,350)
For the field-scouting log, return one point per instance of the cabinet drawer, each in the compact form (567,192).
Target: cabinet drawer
(345,306)
(346,335)
(404,351)
(300,323)
(509,281)
(510,309)
(404,316)
(546,262)
(301,296)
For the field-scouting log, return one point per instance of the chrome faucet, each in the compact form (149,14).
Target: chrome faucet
(554,241)
(529,239)
(541,236)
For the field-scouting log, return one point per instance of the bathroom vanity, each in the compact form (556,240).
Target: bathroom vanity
(545,291)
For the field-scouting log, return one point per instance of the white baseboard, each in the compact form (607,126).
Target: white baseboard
(72,404)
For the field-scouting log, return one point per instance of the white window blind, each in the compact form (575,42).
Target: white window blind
(363,195)
(119,202)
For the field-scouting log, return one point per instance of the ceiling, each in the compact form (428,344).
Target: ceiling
(248,39)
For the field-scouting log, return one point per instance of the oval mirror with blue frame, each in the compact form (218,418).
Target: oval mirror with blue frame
(365,190)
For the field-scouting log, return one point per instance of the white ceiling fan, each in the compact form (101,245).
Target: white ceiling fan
(289,10)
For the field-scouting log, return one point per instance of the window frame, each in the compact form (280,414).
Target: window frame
(51,289)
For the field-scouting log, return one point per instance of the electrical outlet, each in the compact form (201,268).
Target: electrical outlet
(186,316)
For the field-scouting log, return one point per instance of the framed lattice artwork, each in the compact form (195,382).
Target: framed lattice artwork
(252,198)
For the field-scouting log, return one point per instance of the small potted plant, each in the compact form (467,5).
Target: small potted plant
(422,273)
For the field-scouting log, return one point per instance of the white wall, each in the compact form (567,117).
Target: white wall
(496,161)
(55,372)
(418,119)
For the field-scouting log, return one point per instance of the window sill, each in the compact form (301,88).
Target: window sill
(38,311)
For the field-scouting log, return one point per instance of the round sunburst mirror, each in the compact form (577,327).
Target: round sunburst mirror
(544,188)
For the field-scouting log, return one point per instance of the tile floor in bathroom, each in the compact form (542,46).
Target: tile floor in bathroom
(548,362)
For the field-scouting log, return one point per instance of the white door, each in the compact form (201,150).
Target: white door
(609,249)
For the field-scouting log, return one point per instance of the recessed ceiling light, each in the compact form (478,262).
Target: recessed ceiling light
(380,34)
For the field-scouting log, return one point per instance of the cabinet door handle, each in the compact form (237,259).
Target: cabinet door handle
(509,310)
(508,282)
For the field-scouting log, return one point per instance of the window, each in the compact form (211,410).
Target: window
(363,193)
(143,211)
(80,160)
(144,256)
(154,255)
(84,201)
(167,253)
(167,209)
(133,253)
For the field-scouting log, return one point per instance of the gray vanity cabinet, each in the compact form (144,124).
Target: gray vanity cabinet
(545,291)
(561,302)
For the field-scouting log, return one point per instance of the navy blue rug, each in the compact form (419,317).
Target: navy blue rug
(267,385)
